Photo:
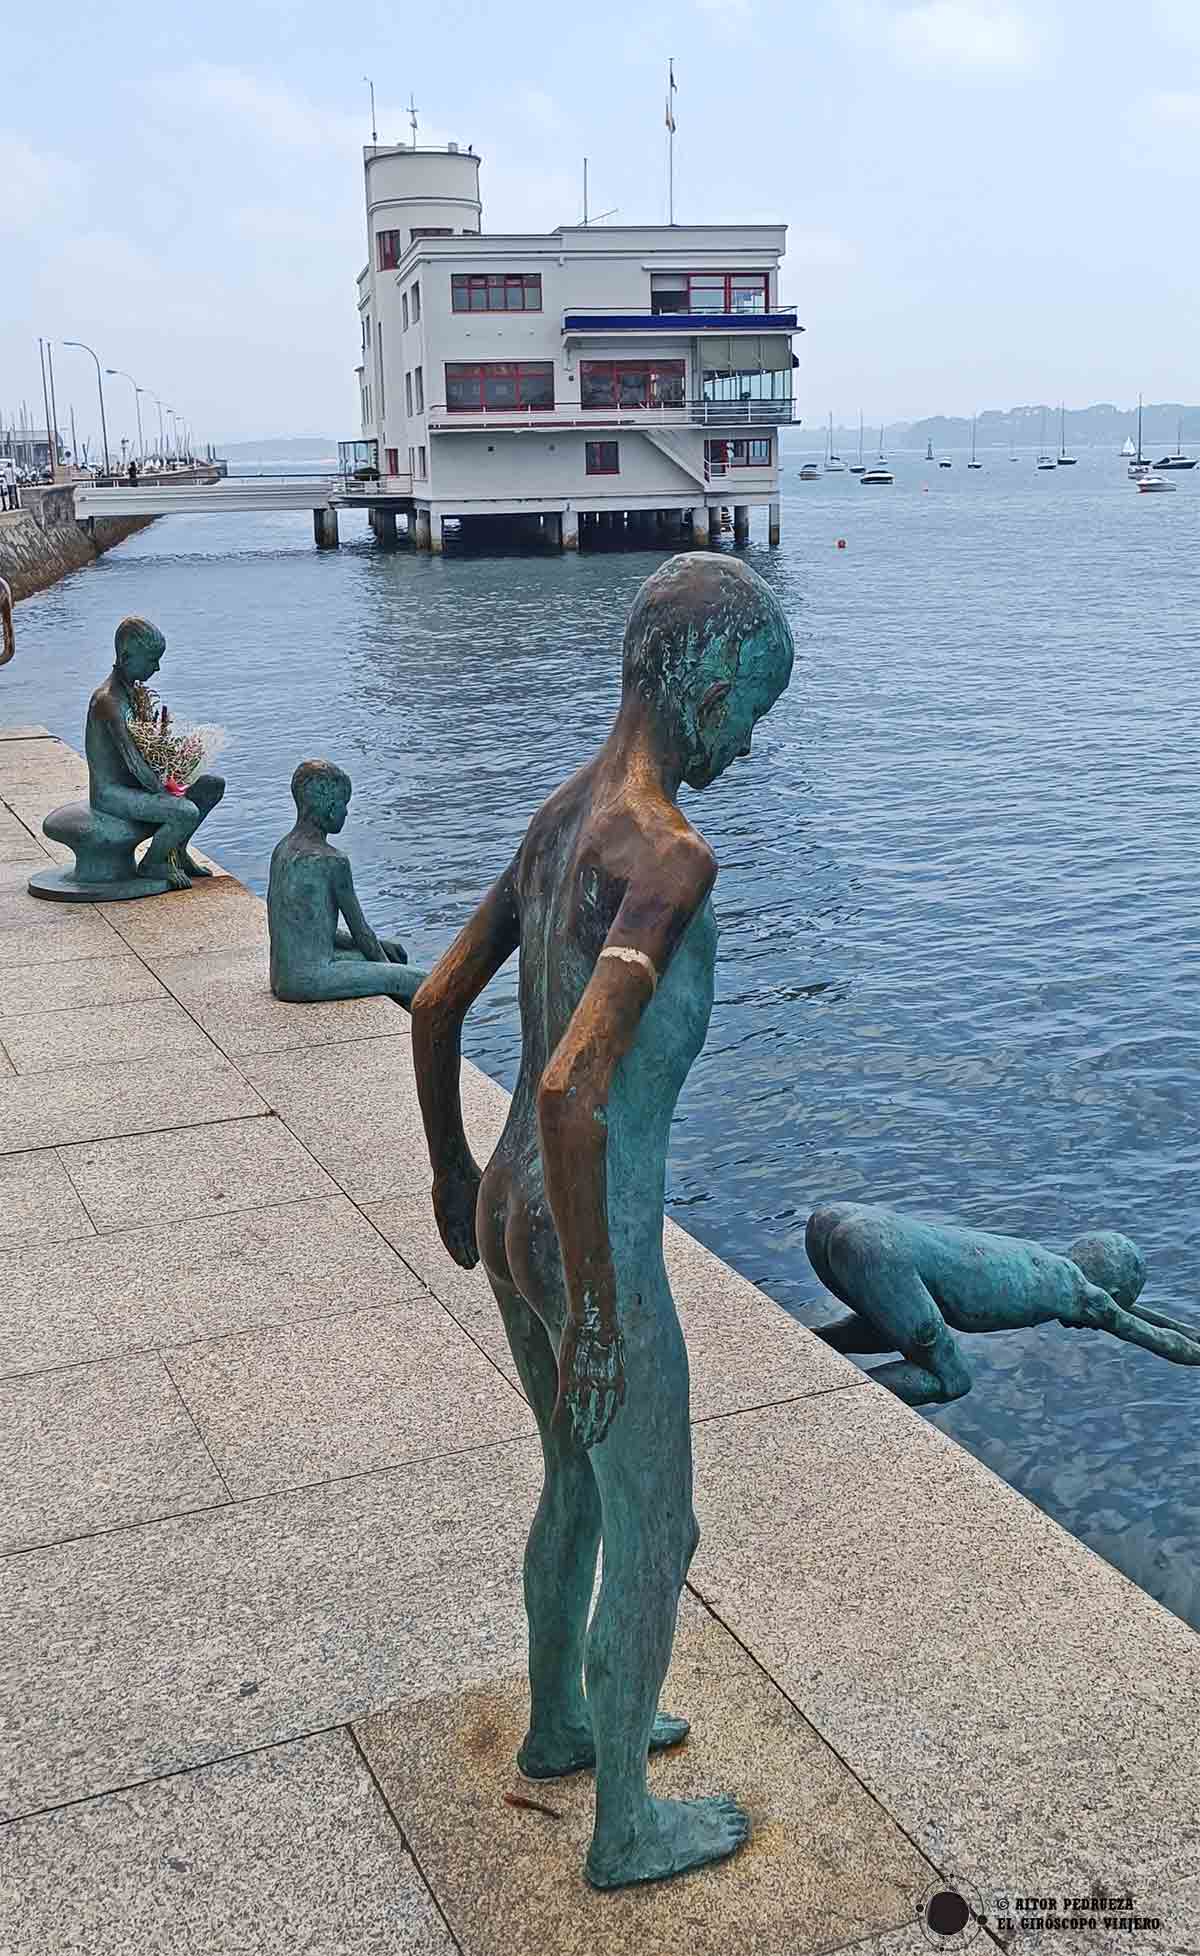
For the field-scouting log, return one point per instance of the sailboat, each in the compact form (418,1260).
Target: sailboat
(1178,460)
(1127,447)
(973,464)
(833,461)
(1044,461)
(1012,449)
(929,451)
(879,472)
(857,468)
(1065,461)
(1139,465)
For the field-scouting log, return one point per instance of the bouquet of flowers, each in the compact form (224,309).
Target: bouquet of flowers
(175,752)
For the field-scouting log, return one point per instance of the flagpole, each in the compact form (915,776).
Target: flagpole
(671,90)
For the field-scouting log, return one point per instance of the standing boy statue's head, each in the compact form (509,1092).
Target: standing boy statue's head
(709,651)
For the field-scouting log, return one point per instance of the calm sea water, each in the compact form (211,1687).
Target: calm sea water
(958,965)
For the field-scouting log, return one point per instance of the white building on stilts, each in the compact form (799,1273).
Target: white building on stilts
(598,377)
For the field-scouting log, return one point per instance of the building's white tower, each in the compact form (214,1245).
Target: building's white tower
(418,193)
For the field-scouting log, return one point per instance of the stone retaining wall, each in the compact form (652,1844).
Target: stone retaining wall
(43,541)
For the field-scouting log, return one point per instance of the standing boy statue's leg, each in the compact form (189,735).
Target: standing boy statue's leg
(644,1472)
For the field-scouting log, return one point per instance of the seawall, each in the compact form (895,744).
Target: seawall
(43,540)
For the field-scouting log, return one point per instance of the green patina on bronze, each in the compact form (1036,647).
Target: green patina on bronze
(127,803)
(311,885)
(910,1285)
(607,900)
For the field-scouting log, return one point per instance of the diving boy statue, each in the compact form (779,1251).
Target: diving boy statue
(311,885)
(910,1285)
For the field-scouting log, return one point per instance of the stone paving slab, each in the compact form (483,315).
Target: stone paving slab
(16,842)
(57,932)
(140,1097)
(94,1448)
(287,1850)
(208,1170)
(824,1865)
(174,1644)
(229,993)
(115,979)
(192,1279)
(215,914)
(37,1205)
(127,1032)
(1015,1702)
(354,1106)
(7,1069)
(25,733)
(370,1389)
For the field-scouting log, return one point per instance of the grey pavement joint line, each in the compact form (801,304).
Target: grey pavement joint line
(191,1419)
(172,1772)
(405,1842)
(711,1610)
(269,1494)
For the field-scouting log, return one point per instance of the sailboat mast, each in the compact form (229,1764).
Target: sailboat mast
(1139,453)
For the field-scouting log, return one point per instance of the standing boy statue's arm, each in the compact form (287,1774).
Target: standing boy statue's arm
(659,903)
(438,1011)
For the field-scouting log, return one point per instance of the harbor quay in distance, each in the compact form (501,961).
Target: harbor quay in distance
(596,378)
(268,1467)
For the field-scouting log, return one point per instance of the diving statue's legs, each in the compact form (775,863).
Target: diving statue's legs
(560,1567)
(895,1313)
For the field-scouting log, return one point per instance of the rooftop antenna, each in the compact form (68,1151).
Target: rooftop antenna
(671,92)
(585,209)
(374,130)
(412,118)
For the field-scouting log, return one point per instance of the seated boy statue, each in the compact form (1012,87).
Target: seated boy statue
(311,885)
(910,1285)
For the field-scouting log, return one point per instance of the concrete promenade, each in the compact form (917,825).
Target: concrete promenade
(265,1480)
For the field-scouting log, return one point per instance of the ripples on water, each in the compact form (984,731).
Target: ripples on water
(957,966)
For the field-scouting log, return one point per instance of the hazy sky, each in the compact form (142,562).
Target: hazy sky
(989,203)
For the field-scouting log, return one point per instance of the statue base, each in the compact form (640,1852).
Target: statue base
(824,1864)
(62,886)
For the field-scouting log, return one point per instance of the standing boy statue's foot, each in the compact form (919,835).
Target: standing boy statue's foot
(575,1752)
(671,1837)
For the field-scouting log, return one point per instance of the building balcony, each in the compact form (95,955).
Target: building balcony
(622,321)
(444,420)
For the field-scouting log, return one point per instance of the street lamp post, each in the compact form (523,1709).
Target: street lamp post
(137,402)
(85,348)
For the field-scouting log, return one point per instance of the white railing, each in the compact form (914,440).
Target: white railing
(570,414)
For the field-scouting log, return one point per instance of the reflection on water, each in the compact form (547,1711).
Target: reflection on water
(957,966)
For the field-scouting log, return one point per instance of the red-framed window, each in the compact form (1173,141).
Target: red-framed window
(709,291)
(601,458)
(387,250)
(747,452)
(499,384)
(496,292)
(631,383)
(391,458)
